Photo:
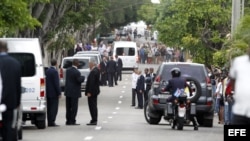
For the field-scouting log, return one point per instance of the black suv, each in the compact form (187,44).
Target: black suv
(201,92)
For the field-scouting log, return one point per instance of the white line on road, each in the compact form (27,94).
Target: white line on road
(88,138)
(110,117)
(98,128)
(117,108)
(124,87)
(121,96)
(119,102)
(123,91)
(114,113)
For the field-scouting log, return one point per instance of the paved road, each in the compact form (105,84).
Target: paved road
(117,122)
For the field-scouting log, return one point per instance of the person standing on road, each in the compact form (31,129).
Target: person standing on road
(238,74)
(73,92)
(92,91)
(53,93)
(134,78)
(119,68)
(147,83)
(111,70)
(103,70)
(140,88)
(10,95)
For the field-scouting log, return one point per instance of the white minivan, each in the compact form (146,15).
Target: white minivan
(28,52)
(127,51)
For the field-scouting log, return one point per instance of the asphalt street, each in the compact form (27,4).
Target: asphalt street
(117,121)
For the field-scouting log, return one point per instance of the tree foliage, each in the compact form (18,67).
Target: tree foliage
(198,26)
(15,16)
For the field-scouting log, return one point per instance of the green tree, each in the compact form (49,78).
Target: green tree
(198,26)
(15,16)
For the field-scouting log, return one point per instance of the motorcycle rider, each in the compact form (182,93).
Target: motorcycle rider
(178,82)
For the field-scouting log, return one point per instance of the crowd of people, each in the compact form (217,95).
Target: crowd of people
(148,52)
(157,53)
(141,84)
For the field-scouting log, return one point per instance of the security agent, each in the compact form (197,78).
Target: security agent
(10,70)
(175,83)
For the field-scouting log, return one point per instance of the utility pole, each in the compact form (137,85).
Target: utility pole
(237,13)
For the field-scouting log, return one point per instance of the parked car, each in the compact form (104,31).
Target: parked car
(201,92)
(108,38)
(96,55)
(83,68)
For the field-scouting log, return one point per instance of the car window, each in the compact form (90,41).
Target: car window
(27,61)
(83,63)
(128,51)
(92,56)
(194,71)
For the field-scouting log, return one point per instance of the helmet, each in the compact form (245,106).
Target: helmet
(176,72)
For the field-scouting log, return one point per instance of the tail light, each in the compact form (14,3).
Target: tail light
(182,105)
(209,103)
(137,59)
(157,81)
(61,73)
(42,87)
(155,101)
(208,81)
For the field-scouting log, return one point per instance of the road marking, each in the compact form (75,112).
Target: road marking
(121,96)
(88,138)
(98,128)
(114,113)
(126,79)
(117,108)
(123,91)
(124,87)
(119,102)
(110,117)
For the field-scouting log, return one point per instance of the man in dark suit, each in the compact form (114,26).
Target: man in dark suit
(73,92)
(140,88)
(103,70)
(111,69)
(147,83)
(10,71)
(92,91)
(119,68)
(53,93)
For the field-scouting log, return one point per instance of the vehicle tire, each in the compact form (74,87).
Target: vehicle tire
(180,123)
(41,124)
(149,119)
(20,133)
(198,88)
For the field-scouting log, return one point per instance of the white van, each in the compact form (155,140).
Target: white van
(127,51)
(28,52)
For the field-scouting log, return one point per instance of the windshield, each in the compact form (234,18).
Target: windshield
(125,51)
(194,71)
(92,56)
(83,63)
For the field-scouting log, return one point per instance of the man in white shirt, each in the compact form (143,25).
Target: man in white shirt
(134,78)
(239,74)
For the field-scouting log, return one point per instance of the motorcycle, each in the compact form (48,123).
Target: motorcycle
(178,113)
